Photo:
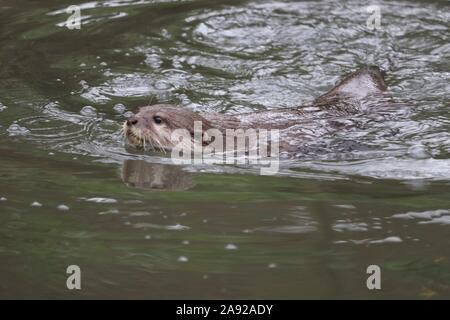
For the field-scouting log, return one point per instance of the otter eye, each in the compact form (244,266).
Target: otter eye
(157,119)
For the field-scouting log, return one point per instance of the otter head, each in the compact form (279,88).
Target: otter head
(153,126)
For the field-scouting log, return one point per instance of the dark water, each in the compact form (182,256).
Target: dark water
(140,227)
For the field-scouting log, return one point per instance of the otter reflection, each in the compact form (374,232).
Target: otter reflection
(144,175)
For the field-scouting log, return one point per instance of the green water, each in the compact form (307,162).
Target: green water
(140,227)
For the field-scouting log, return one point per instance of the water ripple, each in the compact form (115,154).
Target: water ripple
(258,55)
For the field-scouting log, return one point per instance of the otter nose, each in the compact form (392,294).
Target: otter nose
(132,121)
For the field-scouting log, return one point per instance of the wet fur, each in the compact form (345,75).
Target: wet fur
(343,99)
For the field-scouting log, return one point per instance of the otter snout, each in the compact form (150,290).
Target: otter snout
(132,121)
(153,126)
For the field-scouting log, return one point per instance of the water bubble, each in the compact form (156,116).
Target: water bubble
(177,227)
(128,114)
(15,130)
(391,239)
(272,265)
(62,207)
(119,108)
(165,33)
(185,242)
(231,246)
(36,204)
(3,199)
(183,259)
(83,65)
(3,107)
(184,99)
(162,85)
(419,152)
(345,206)
(148,237)
(88,111)
(101,200)
(139,214)
(103,63)
(51,154)
(111,211)
(84,84)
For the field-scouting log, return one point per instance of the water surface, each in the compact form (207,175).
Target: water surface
(140,227)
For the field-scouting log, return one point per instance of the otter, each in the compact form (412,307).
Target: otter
(154,176)
(153,125)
